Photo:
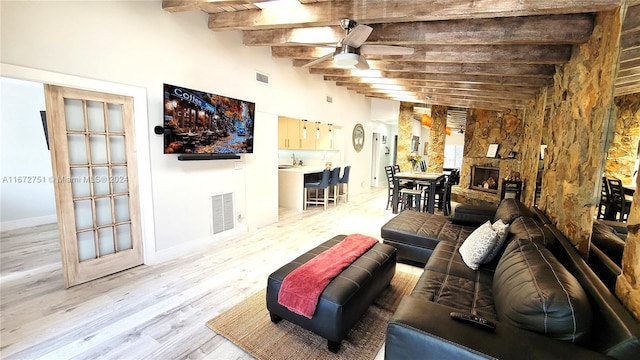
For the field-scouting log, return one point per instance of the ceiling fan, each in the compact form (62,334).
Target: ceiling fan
(350,51)
(461,131)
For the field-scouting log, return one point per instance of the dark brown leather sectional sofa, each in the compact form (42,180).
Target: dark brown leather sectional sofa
(543,298)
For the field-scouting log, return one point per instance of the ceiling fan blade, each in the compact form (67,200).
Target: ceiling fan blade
(358,35)
(318,60)
(385,50)
(362,63)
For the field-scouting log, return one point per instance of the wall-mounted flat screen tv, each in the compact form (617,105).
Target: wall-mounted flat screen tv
(197,122)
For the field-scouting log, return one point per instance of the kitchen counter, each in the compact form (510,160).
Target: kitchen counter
(291,185)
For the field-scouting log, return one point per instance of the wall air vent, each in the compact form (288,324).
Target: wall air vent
(222,212)
(263,78)
(329,99)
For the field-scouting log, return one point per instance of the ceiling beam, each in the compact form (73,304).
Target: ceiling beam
(295,14)
(498,54)
(458,102)
(423,92)
(529,91)
(536,72)
(456,78)
(209,6)
(548,29)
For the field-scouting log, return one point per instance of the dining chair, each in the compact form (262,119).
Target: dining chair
(410,199)
(620,206)
(442,198)
(605,200)
(323,184)
(403,184)
(333,190)
(389,171)
(344,183)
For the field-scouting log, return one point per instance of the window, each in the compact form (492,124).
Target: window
(453,156)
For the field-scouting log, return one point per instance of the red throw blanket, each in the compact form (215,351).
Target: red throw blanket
(301,289)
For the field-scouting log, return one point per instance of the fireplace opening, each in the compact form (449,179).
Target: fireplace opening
(485,178)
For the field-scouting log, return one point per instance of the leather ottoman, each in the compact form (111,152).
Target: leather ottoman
(347,296)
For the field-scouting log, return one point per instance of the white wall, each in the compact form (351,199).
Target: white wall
(26,190)
(139,44)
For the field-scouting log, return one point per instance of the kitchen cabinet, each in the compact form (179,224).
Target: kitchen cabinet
(289,133)
(325,140)
(307,135)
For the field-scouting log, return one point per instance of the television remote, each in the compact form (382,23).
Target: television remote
(473,320)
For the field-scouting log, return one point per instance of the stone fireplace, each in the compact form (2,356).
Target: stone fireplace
(485,178)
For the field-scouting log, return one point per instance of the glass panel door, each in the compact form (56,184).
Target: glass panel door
(94,165)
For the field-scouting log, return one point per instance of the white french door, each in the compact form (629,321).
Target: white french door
(95,182)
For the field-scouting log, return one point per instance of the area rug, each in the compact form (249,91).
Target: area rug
(248,326)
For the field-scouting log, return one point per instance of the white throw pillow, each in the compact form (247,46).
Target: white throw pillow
(477,246)
(502,230)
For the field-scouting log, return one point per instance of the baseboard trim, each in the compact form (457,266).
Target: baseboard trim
(28,222)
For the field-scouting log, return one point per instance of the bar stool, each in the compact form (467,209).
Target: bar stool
(343,183)
(333,190)
(411,199)
(322,184)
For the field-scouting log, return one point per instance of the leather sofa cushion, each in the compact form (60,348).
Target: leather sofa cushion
(608,241)
(473,215)
(528,228)
(532,290)
(447,280)
(510,209)
(423,229)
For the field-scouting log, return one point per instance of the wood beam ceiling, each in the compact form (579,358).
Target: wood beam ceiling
(488,54)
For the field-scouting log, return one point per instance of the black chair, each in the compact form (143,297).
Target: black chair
(423,166)
(411,199)
(605,200)
(389,171)
(620,206)
(333,188)
(317,185)
(442,199)
(454,176)
(343,183)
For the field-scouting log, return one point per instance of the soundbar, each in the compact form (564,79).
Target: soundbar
(189,157)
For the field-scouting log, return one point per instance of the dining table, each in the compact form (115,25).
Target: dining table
(629,189)
(428,178)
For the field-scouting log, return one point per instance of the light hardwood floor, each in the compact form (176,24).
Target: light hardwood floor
(160,311)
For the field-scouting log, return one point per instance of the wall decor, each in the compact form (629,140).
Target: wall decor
(492,150)
(415,142)
(358,137)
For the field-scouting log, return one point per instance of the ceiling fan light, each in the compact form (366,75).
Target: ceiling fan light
(346,59)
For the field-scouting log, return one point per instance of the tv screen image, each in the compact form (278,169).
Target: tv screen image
(197,122)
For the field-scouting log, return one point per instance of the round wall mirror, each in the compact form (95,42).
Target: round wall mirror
(358,137)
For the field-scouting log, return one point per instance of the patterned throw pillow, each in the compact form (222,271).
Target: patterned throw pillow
(502,230)
(477,246)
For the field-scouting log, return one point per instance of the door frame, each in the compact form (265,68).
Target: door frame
(142,140)
(375,159)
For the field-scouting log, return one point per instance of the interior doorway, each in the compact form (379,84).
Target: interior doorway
(375,159)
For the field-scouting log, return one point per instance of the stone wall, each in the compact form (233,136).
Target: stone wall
(622,155)
(581,108)
(485,127)
(405,134)
(533,126)
(628,284)
(437,138)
